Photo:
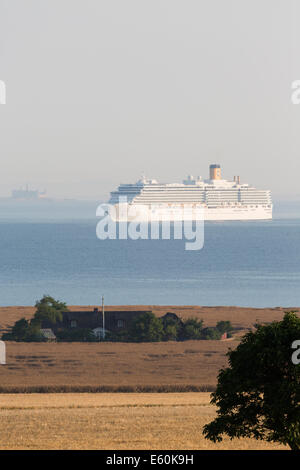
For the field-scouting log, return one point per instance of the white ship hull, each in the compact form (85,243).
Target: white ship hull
(239,213)
(145,213)
(212,199)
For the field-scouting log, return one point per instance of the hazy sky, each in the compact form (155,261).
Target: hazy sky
(99,91)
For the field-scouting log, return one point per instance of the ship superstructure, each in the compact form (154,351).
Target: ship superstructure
(220,199)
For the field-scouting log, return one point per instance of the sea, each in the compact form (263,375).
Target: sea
(50,247)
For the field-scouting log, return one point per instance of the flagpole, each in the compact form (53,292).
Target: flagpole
(103,318)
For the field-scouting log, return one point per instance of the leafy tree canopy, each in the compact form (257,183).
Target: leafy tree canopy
(171,332)
(211,333)
(192,329)
(147,327)
(24,330)
(258,395)
(49,309)
(224,326)
(172,326)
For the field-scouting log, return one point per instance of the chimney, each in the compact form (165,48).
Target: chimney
(215,172)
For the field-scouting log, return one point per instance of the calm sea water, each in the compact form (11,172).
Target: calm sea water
(52,248)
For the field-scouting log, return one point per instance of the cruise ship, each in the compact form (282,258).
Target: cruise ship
(193,199)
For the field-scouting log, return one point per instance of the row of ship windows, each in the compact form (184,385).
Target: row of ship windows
(198,193)
(195,197)
(203,193)
(192,190)
(138,189)
(212,204)
(248,201)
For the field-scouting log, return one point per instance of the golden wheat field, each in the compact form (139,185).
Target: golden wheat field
(118,421)
(135,421)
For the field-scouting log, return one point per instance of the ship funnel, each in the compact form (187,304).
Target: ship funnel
(215,172)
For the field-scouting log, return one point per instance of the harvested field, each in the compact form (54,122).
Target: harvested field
(76,367)
(93,367)
(111,421)
(118,420)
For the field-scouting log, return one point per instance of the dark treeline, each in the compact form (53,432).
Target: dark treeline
(145,328)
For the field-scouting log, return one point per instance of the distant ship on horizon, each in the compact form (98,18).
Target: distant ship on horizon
(27,194)
(219,199)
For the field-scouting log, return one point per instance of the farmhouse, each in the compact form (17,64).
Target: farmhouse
(114,320)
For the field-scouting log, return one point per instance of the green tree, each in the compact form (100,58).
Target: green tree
(24,330)
(49,309)
(20,330)
(146,327)
(192,329)
(170,332)
(172,327)
(258,395)
(211,333)
(224,327)
(34,333)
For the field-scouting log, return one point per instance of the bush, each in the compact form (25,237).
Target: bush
(25,331)
(224,327)
(172,328)
(117,336)
(146,328)
(76,334)
(192,329)
(211,333)
(171,332)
